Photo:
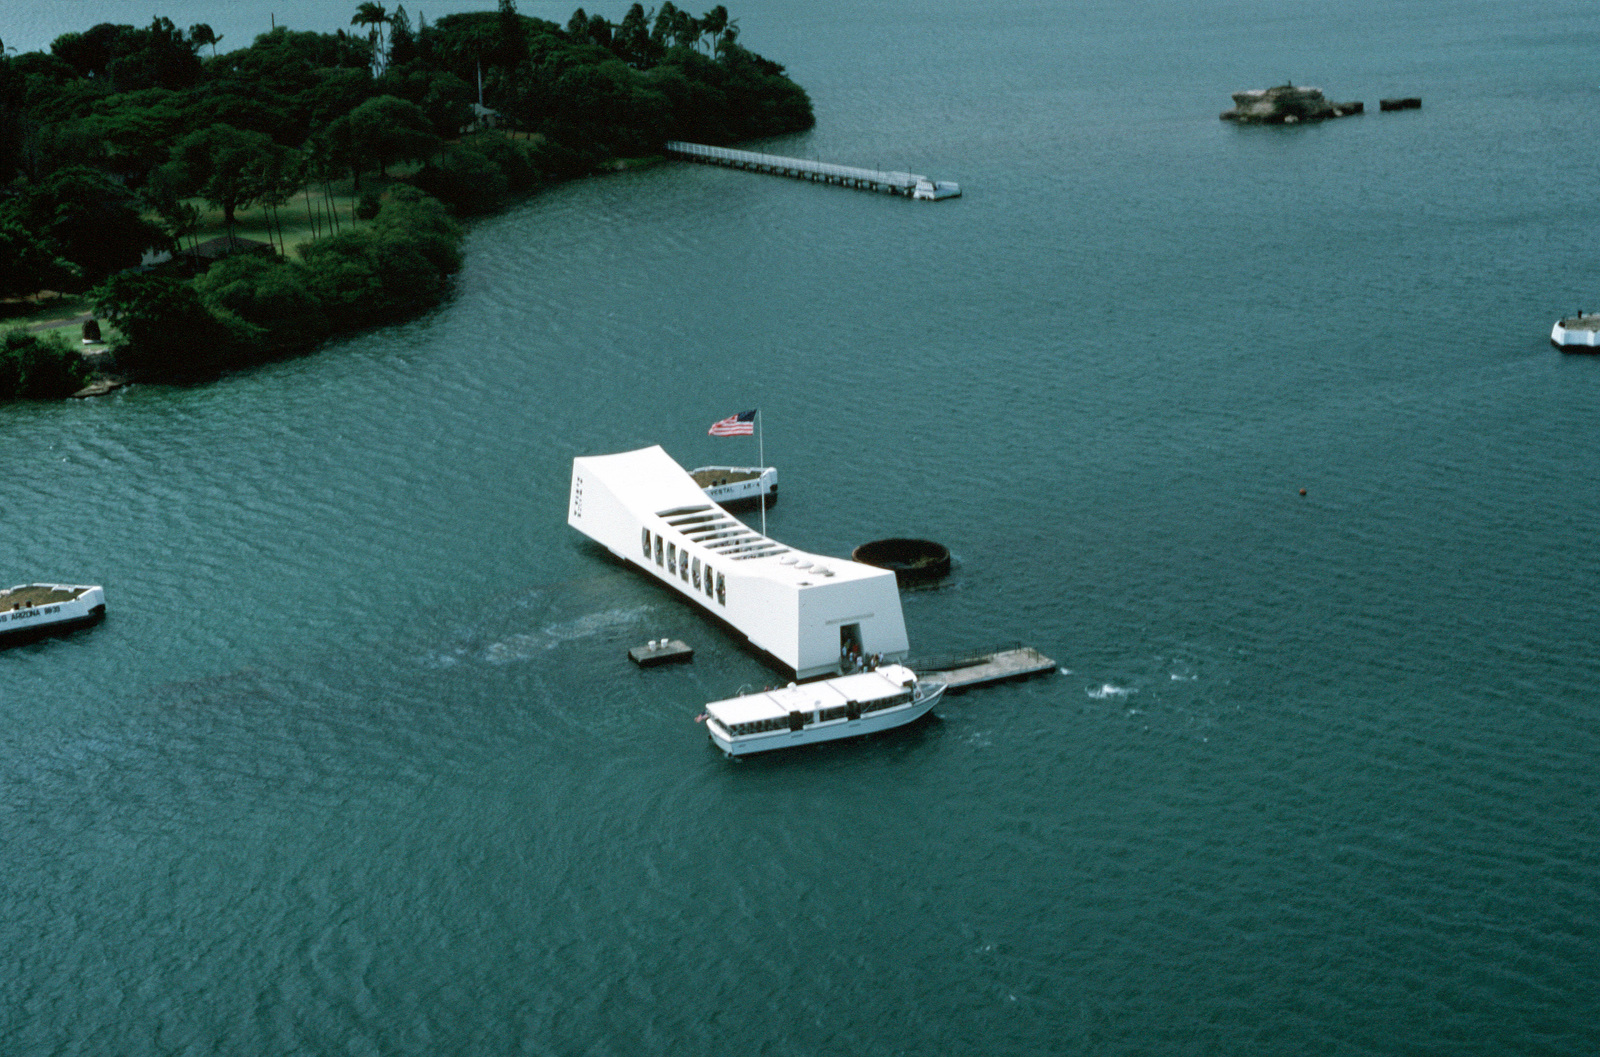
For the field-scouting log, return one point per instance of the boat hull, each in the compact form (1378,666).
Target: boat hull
(835,730)
(18,626)
(738,487)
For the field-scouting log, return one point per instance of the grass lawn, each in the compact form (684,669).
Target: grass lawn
(309,215)
(43,308)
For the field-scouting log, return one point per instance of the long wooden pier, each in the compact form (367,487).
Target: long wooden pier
(909,184)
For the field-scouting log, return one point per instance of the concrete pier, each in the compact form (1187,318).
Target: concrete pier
(964,673)
(911,185)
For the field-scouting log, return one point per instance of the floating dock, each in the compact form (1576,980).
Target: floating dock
(661,651)
(896,183)
(963,672)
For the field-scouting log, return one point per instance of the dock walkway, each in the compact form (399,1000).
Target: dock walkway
(895,183)
(964,673)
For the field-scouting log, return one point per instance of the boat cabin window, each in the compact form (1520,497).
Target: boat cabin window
(759,726)
(696,568)
(710,587)
(659,560)
(722,590)
(644,534)
(672,558)
(837,712)
(683,566)
(885,702)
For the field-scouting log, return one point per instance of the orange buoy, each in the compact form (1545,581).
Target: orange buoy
(1302,491)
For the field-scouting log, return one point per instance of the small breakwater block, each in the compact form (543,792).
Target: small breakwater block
(660,651)
(1408,103)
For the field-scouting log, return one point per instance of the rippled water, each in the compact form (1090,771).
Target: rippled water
(357,762)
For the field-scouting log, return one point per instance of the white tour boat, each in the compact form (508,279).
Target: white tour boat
(804,714)
(29,610)
(735,486)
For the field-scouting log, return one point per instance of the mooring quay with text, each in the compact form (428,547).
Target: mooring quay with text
(895,183)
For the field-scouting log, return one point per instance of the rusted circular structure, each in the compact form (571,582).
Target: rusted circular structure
(912,561)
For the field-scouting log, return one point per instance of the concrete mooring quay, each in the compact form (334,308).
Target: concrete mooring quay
(895,183)
(963,672)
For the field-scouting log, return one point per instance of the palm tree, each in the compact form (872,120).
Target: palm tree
(202,34)
(714,22)
(373,15)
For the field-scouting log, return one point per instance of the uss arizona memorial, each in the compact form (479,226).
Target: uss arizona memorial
(800,608)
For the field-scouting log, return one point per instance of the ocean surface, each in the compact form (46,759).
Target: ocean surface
(357,763)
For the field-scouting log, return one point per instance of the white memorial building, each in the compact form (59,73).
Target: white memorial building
(802,609)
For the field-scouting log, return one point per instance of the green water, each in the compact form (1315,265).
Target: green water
(357,763)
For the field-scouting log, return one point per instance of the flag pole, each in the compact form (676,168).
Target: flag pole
(761,467)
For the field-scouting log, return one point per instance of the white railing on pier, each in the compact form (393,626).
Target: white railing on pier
(893,182)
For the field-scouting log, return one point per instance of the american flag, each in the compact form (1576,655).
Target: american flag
(741,425)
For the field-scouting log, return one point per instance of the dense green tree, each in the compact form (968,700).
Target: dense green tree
(39,368)
(163,195)
(632,40)
(261,110)
(90,53)
(336,92)
(604,104)
(412,213)
(510,156)
(222,164)
(272,293)
(28,260)
(391,269)
(167,332)
(446,100)
(387,129)
(136,129)
(159,56)
(512,47)
(465,179)
(50,101)
(91,221)
(13,116)
(402,39)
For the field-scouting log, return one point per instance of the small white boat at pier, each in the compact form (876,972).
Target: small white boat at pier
(736,486)
(935,190)
(31,610)
(804,714)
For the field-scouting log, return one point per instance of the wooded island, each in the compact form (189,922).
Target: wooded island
(358,153)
